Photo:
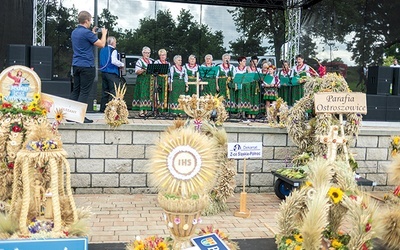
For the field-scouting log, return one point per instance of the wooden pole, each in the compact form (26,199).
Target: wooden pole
(243,212)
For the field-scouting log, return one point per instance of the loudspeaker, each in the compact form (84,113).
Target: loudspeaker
(396,81)
(379,80)
(18,54)
(376,108)
(393,109)
(61,87)
(42,61)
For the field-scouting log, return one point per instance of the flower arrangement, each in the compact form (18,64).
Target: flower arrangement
(150,243)
(311,217)
(32,108)
(42,145)
(37,226)
(395,145)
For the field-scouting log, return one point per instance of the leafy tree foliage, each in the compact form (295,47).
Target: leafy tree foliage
(59,25)
(256,25)
(183,37)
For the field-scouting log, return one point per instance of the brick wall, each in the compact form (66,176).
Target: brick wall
(106,160)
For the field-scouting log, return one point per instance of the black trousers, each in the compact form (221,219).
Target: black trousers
(108,80)
(83,82)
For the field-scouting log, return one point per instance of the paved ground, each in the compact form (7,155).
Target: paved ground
(119,218)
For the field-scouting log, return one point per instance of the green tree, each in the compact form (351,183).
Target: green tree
(183,37)
(109,21)
(260,24)
(247,47)
(60,21)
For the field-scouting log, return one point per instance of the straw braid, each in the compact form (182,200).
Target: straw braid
(25,196)
(55,197)
(68,187)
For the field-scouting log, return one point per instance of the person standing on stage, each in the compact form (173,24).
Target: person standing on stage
(270,86)
(162,82)
(109,67)
(242,96)
(192,70)
(178,86)
(299,71)
(225,75)
(284,79)
(83,68)
(143,95)
(254,88)
(210,76)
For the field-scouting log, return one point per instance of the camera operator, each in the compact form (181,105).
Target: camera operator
(84,70)
(109,67)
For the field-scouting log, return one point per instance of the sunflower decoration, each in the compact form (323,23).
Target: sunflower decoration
(116,112)
(336,194)
(59,115)
(395,145)
(312,217)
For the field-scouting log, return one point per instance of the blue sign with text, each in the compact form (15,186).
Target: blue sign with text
(53,244)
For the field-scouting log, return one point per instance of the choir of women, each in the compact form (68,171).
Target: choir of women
(248,91)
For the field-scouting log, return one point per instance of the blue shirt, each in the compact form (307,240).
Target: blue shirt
(82,44)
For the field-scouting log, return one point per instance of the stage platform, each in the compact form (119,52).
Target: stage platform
(107,160)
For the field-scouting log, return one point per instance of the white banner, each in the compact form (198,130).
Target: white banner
(244,150)
(74,111)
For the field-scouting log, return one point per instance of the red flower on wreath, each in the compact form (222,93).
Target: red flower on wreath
(7,105)
(16,128)
(116,117)
(368,227)
(397,191)
(10,165)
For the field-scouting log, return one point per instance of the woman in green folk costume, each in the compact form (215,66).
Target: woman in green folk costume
(143,98)
(270,87)
(178,86)
(284,78)
(162,82)
(209,75)
(254,88)
(242,95)
(299,71)
(192,70)
(225,80)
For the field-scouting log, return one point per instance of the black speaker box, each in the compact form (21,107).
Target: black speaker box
(42,61)
(379,80)
(393,109)
(61,88)
(376,108)
(18,54)
(396,81)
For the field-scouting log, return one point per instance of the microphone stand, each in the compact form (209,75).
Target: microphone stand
(260,82)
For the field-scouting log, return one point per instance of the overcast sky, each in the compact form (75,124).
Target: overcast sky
(129,13)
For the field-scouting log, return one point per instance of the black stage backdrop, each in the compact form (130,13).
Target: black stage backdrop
(16,25)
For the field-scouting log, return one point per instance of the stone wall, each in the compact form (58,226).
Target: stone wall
(106,160)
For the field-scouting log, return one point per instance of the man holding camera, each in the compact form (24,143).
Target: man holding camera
(109,67)
(84,71)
